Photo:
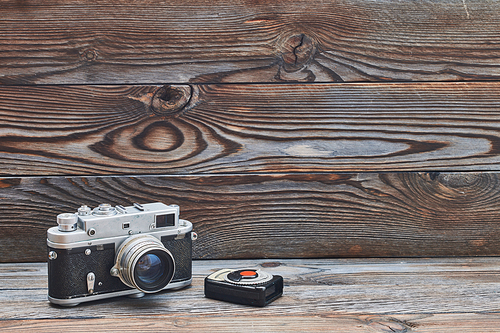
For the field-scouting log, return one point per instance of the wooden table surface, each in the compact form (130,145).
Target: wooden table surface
(327,295)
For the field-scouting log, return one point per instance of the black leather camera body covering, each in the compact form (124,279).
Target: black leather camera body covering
(68,272)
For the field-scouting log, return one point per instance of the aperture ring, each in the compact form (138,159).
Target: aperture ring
(132,250)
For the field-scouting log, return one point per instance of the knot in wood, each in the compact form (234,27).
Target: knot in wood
(456,179)
(388,324)
(271,264)
(89,55)
(297,51)
(170,100)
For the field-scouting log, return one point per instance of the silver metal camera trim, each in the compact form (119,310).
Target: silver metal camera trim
(77,300)
(96,226)
(158,233)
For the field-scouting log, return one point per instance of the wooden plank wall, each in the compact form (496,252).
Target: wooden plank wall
(283,129)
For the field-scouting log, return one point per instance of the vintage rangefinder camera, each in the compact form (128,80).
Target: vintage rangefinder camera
(113,251)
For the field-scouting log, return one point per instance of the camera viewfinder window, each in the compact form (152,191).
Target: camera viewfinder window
(165,220)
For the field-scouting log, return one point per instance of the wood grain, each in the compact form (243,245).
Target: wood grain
(356,295)
(85,130)
(319,322)
(279,215)
(115,41)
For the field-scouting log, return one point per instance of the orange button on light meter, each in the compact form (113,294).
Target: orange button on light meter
(248,273)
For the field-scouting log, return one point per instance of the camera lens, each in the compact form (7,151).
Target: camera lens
(145,264)
(151,272)
(149,268)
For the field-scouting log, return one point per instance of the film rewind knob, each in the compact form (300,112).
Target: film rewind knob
(67,222)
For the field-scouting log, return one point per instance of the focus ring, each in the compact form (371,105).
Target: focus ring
(132,250)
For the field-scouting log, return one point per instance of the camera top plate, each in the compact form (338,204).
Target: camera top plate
(107,222)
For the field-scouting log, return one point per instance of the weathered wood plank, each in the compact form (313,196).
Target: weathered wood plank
(279,216)
(115,41)
(357,295)
(83,130)
(319,322)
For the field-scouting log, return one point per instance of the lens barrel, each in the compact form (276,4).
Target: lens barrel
(144,263)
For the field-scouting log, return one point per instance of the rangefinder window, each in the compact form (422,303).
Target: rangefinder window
(165,220)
